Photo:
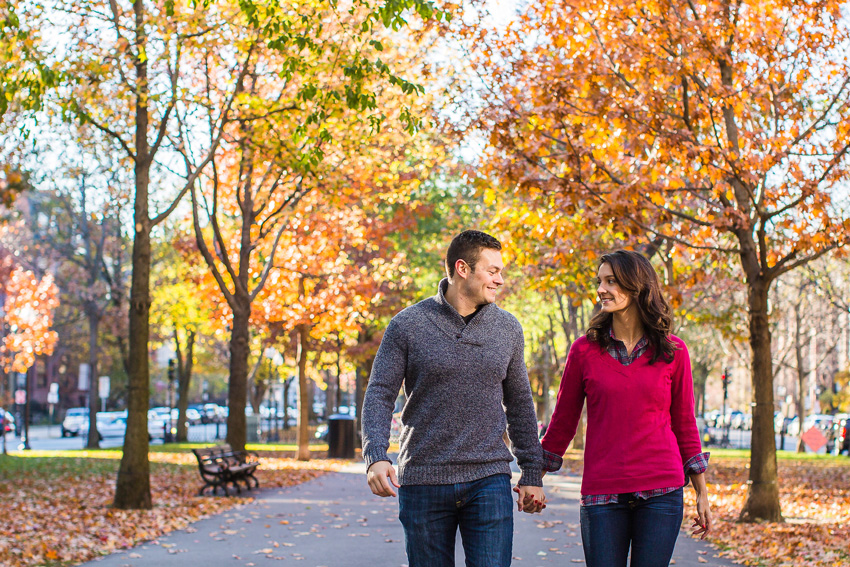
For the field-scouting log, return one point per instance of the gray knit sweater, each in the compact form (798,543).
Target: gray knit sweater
(464,385)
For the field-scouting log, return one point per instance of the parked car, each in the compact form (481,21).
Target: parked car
(156,426)
(820,421)
(212,413)
(8,421)
(792,426)
(193,416)
(711,417)
(113,424)
(74,420)
(840,439)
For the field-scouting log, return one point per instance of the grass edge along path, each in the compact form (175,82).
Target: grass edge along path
(57,504)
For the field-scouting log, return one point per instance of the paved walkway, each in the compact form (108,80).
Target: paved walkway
(335,521)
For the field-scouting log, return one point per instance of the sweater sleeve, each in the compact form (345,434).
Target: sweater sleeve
(522,419)
(568,407)
(384,384)
(683,421)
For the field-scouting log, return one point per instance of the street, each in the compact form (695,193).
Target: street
(49,438)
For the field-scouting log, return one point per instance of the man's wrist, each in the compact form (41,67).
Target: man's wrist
(374,454)
(369,466)
(531,477)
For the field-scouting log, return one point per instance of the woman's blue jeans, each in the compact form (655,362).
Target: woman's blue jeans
(482,509)
(649,526)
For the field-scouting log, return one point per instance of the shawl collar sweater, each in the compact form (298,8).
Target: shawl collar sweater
(464,384)
(640,418)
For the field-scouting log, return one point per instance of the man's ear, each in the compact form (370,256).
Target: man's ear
(462,269)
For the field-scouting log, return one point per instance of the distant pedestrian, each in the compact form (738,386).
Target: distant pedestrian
(642,437)
(460,360)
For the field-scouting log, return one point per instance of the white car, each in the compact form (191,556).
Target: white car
(114,424)
(73,422)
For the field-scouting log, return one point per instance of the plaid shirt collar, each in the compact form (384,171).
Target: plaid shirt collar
(617,349)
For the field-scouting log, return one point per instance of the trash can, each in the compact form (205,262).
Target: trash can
(341,436)
(252,426)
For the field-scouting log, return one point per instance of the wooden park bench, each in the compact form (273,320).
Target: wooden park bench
(221,466)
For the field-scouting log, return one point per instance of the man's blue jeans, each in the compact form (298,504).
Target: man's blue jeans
(649,526)
(482,509)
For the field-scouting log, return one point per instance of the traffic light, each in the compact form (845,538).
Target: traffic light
(172,371)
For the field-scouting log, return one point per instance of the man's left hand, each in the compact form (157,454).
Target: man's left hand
(530,499)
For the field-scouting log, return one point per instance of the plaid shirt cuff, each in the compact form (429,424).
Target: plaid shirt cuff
(697,464)
(551,461)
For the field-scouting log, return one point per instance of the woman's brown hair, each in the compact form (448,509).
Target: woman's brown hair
(636,276)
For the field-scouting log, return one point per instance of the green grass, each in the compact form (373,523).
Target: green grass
(14,466)
(185,447)
(717,453)
(115,453)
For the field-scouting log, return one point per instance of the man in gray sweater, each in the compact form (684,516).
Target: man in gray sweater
(460,360)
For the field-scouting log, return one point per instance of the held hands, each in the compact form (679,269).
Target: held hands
(381,478)
(530,499)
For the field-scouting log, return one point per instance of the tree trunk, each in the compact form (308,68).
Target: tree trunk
(331,380)
(261,385)
(286,385)
(801,376)
(361,379)
(362,371)
(763,495)
(94,402)
(700,374)
(184,378)
(578,440)
(133,488)
(304,401)
(237,390)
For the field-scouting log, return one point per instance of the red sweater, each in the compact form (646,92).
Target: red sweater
(640,418)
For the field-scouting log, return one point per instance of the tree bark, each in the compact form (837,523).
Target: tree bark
(801,375)
(700,373)
(763,495)
(133,488)
(237,389)
(184,379)
(93,441)
(362,371)
(304,401)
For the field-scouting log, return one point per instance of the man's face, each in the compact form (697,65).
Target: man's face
(481,285)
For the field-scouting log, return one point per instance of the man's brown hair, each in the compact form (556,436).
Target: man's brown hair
(467,246)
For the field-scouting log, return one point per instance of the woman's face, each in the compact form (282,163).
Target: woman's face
(612,297)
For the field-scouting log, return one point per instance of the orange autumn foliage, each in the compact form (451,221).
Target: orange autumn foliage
(28,305)
(721,128)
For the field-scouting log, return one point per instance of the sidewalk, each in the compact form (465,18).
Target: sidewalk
(335,521)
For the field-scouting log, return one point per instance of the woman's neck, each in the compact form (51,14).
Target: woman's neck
(627,325)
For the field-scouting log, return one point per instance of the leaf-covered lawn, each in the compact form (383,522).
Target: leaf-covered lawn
(814,493)
(56,509)
(815,499)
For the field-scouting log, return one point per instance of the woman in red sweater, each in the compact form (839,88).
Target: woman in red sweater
(642,437)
